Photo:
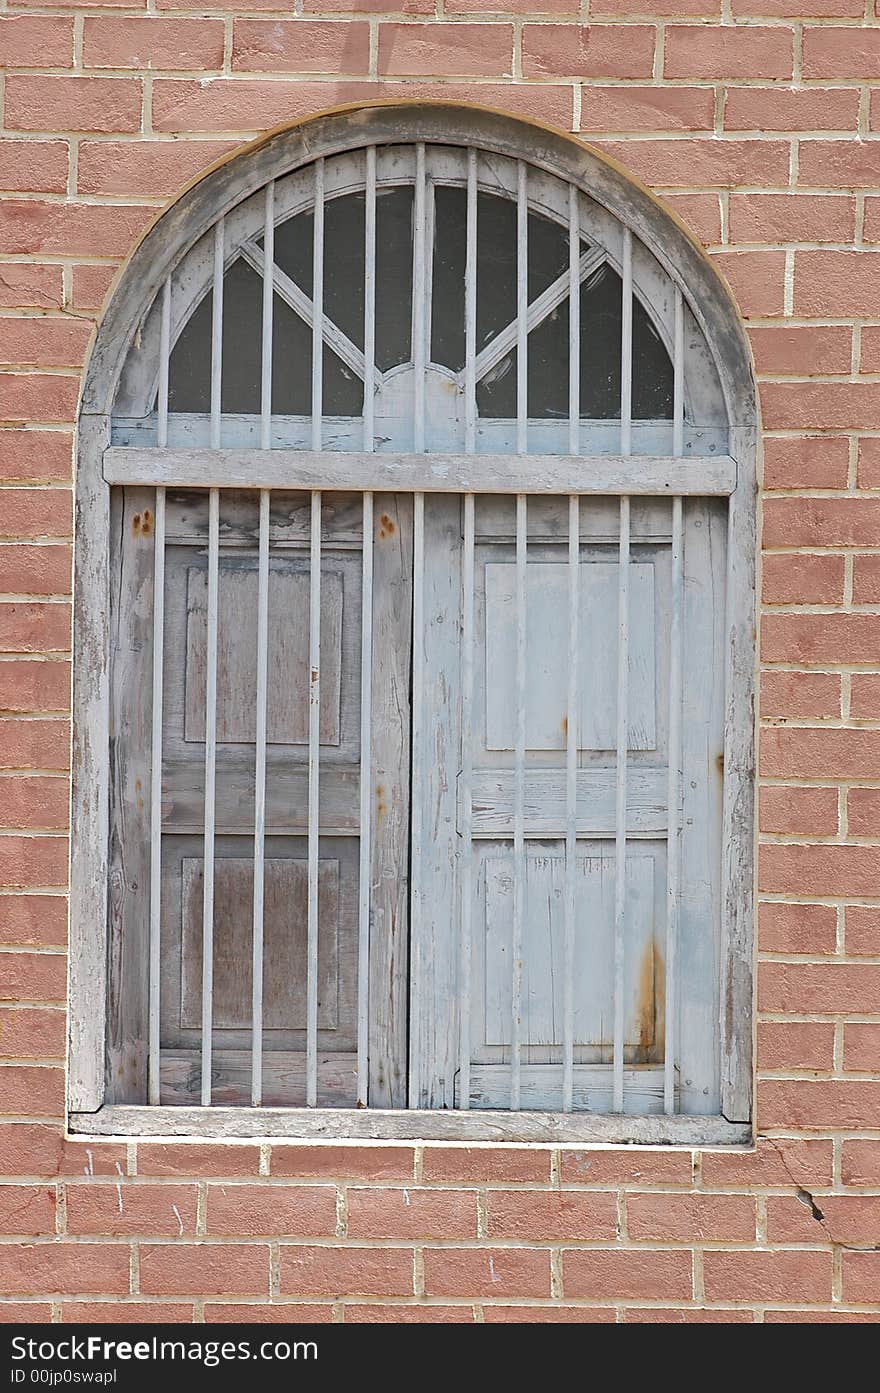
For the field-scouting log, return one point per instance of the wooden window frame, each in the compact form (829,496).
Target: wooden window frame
(98,467)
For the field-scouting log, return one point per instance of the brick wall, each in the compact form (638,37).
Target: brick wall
(758,128)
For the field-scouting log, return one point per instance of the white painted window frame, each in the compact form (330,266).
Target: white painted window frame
(97,467)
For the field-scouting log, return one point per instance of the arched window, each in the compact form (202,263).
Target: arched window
(414,650)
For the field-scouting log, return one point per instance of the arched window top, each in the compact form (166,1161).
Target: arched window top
(436,294)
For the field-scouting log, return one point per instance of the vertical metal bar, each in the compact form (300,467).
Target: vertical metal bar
(678,377)
(318,309)
(571,808)
(673,805)
(419,282)
(268,318)
(210,790)
(366,774)
(153,1050)
(519,845)
(314,843)
(574,322)
(626,347)
(260,801)
(467,769)
(217,333)
(470,307)
(416,786)
(370,300)
(621,800)
(522,308)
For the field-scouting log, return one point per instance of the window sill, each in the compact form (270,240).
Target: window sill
(345,1124)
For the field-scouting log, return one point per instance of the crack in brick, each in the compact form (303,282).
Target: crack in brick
(808,1199)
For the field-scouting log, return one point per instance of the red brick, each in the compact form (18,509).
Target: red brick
(797,928)
(763,1276)
(869,355)
(861,1046)
(711,52)
(281,1313)
(412,1214)
(37,1148)
(33,1032)
(25,1313)
(836,282)
(205,1269)
(34,166)
(861,1277)
(690,1218)
(33,920)
(73,103)
(67,1269)
(632,1166)
(143,166)
(686,1315)
(197,1158)
(278,1211)
(840,164)
(796,9)
(815,754)
(420,1313)
(37,455)
(300,46)
(36,512)
(818,1104)
(27,863)
(795,351)
(820,638)
(468,50)
(91,284)
(587,50)
(70,229)
(415,7)
(862,934)
(33,977)
(701,212)
(149,43)
(489,1272)
(790,109)
(647,109)
(794,1045)
(125,1312)
(34,628)
(757,280)
(529,7)
(128,1209)
(502,1164)
(792,579)
(556,1217)
(30,744)
(703,163)
(30,1090)
(27,1209)
(343,1162)
(792,217)
(820,870)
(36,397)
(187,105)
(348,1272)
(866,580)
(848,53)
(865,697)
(798,812)
(552,1315)
(77,4)
(800,695)
(646,1273)
(871,229)
(31,41)
(31,286)
(673,8)
(860,1163)
(818,1317)
(782,1161)
(27,685)
(863,807)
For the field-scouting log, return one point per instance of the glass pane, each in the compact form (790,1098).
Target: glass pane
(394,254)
(447,298)
(189,368)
